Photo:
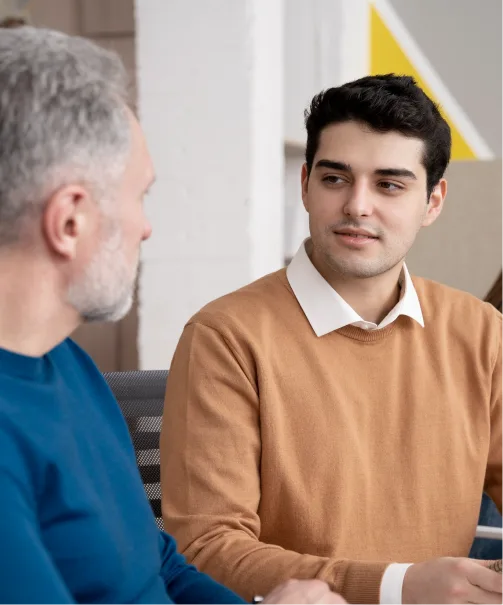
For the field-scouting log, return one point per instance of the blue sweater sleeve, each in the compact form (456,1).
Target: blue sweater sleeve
(184,584)
(27,573)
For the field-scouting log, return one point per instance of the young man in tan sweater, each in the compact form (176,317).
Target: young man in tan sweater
(339,420)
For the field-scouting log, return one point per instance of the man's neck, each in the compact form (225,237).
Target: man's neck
(32,318)
(372,302)
(372,297)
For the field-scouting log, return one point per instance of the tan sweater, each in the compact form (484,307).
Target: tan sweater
(287,455)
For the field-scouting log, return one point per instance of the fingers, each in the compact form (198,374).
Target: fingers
(316,591)
(323,594)
(303,591)
(477,595)
(307,591)
(485,579)
(332,597)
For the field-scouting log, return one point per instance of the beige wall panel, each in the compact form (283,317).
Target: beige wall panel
(463,248)
(107,17)
(62,15)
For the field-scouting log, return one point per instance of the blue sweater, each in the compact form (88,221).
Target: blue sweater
(75,524)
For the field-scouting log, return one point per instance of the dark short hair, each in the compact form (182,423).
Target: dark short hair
(385,103)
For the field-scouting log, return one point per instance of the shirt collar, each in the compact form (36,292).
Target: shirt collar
(327,311)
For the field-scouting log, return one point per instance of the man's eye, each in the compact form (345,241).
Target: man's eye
(332,179)
(389,186)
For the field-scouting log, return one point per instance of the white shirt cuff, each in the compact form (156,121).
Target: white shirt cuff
(392,582)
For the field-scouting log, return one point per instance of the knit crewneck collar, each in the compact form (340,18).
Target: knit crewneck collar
(369,336)
(24,366)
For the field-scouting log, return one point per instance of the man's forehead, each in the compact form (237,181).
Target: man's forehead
(358,142)
(139,148)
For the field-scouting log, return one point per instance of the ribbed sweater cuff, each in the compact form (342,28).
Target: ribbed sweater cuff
(362,582)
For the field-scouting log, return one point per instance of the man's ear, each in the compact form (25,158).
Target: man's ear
(435,203)
(304,181)
(65,219)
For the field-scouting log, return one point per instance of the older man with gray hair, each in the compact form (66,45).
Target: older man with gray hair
(75,524)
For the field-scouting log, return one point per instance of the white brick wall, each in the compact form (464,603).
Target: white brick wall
(210,101)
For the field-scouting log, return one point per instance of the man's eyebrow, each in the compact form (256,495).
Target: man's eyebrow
(389,172)
(396,172)
(333,165)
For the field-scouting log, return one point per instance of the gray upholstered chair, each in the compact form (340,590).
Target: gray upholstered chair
(141,397)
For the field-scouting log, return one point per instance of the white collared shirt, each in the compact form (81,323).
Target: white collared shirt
(327,311)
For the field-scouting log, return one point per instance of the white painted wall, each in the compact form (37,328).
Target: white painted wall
(266,137)
(314,39)
(210,98)
(296,217)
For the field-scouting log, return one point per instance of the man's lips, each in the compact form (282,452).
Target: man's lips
(356,233)
(355,238)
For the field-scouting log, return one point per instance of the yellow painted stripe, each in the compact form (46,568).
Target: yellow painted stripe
(386,56)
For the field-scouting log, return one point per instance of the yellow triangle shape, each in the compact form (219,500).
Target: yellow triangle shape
(388,57)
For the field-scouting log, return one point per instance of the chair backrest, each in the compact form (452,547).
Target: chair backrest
(140,395)
(482,548)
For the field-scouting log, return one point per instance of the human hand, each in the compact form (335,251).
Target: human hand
(452,580)
(303,591)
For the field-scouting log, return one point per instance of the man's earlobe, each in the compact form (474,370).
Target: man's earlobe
(435,203)
(64,220)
